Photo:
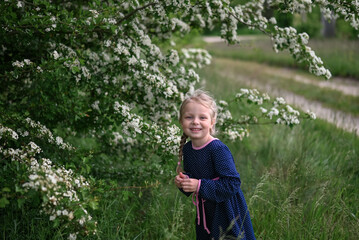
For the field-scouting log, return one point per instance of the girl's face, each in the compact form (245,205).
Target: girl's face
(196,122)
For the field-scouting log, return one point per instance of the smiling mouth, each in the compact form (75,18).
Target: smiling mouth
(195,129)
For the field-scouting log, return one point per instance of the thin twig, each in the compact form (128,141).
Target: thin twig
(136,10)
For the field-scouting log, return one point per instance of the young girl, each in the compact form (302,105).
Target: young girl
(210,174)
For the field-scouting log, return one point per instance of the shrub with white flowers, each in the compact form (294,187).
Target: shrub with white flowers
(108,78)
(61,190)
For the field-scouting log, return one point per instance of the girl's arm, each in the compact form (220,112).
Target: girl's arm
(228,183)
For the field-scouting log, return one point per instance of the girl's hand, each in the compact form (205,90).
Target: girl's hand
(189,184)
(179,178)
(178,181)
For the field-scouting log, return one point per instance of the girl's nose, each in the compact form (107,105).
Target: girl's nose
(195,121)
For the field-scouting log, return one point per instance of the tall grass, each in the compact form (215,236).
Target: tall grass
(159,213)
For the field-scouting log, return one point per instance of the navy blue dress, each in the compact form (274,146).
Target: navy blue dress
(221,207)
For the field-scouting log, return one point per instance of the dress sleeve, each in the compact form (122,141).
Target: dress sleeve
(228,183)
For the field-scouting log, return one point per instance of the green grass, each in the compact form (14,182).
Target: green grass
(158,214)
(338,55)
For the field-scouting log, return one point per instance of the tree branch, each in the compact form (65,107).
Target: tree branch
(136,10)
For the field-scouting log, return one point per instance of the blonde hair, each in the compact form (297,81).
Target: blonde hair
(204,98)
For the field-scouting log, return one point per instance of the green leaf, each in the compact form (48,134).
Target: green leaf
(19,189)
(3,202)
(79,213)
(75,69)
(56,223)
(20,202)
(6,189)
(93,205)
(125,195)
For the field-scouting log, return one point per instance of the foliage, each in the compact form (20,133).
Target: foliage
(95,71)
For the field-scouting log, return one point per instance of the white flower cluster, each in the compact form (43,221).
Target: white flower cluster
(53,21)
(132,123)
(21,64)
(72,61)
(95,14)
(311,114)
(253,96)
(279,113)
(95,105)
(5,130)
(55,55)
(287,38)
(349,11)
(223,113)
(57,185)
(43,131)
(168,138)
(173,58)
(283,113)
(20,4)
(182,26)
(236,133)
(26,62)
(195,57)
(126,141)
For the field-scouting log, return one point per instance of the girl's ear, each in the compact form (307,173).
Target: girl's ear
(213,121)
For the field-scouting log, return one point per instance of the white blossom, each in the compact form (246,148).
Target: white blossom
(95,14)
(311,114)
(20,4)
(55,54)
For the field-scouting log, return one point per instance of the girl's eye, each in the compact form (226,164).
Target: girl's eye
(188,117)
(203,118)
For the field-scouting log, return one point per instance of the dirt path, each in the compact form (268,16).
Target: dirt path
(215,39)
(345,86)
(238,71)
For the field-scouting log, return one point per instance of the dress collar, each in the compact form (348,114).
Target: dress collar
(198,148)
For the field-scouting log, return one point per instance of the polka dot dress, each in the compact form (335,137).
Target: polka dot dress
(221,207)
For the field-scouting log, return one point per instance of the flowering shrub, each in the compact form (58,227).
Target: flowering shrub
(63,192)
(103,72)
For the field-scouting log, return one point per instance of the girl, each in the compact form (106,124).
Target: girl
(210,174)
